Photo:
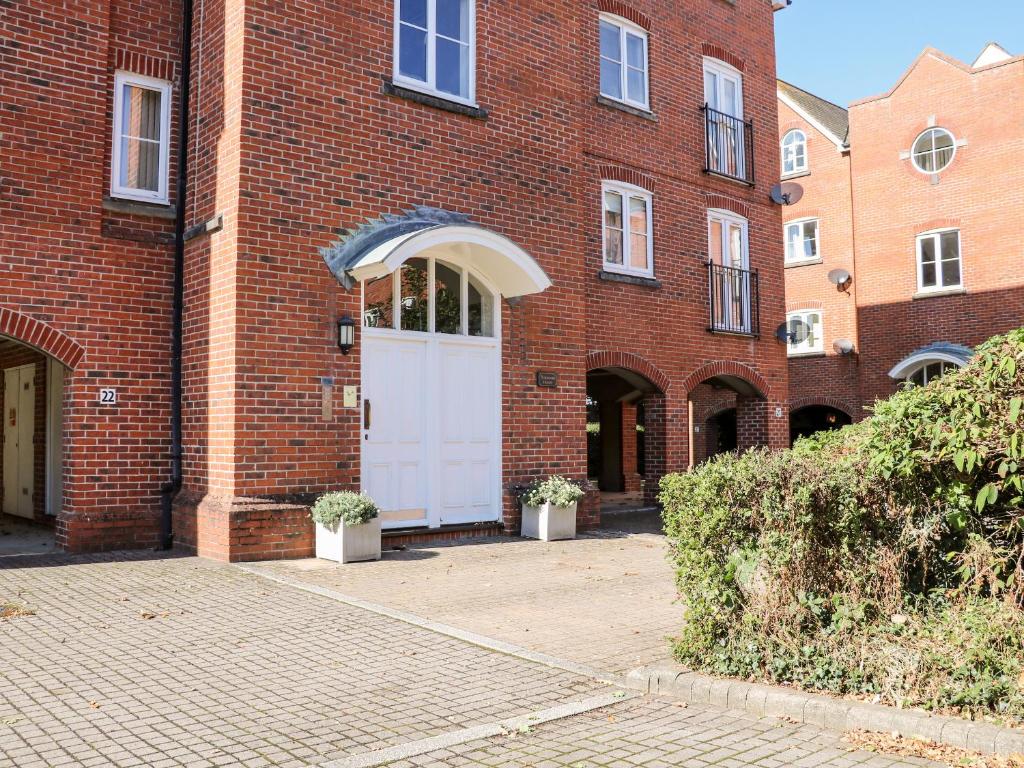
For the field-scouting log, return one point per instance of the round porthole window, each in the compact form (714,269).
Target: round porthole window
(933,150)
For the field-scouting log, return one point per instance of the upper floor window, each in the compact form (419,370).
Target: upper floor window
(938,261)
(435,47)
(723,88)
(805,332)
(802,241)
(728,138)
(624,61)
(142,128)
(933,150)
(794,152)
(628,229)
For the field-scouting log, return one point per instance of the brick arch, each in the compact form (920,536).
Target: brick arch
(831,402)
(934,224)
(718,52)
(626,11)
(727,368)
(631,362)
(41,336)
(632,176)
(726,203)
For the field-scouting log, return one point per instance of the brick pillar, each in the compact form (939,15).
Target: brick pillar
(655,446)
(751,422)
(630,475)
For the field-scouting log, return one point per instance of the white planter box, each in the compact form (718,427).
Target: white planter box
(349,543)
(549,523)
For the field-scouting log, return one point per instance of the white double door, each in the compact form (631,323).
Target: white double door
(19,430)
(431,430)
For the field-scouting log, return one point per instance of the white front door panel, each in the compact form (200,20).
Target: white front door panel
(432,448)
(19,430)
(394,448)
(469,442)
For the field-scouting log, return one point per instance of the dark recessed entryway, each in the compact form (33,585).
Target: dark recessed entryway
(807,421)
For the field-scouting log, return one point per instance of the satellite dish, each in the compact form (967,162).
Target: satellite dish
(843,347)
(787,193)
(840,278)
(793,331)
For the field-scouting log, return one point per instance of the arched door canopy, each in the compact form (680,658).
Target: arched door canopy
(949,353)
(38,335)
(379,248)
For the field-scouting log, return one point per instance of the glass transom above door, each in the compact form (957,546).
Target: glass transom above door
(429,295)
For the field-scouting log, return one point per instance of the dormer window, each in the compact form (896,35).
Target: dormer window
(794,153)
(933,150)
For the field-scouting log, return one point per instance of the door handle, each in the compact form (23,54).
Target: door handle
(366,413)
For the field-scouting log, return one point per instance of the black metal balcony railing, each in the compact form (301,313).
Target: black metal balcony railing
(730,146)
(735,300)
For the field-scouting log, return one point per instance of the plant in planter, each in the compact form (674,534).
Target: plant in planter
(549,509)
(347,527)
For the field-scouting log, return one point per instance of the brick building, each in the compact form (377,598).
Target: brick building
(512,210)
(913,195)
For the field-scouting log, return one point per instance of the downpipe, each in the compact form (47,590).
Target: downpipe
(169,491)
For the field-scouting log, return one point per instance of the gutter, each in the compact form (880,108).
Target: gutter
(172,487)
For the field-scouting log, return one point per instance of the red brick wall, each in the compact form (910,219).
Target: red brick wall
(980,192)
(294,142)
(827,197)
(874,236)
(14,356)
(102,278)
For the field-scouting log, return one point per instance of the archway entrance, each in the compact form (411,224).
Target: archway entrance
(619,444)
(729,411)
(31,445)
(816,418)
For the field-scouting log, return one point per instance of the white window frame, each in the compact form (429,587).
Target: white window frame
(803,349)
(627,191)
(627,27)
(429,86)
(801,259)
(724,70)
(946,367)
(122,79)
(936,235)
(726,218)
(797,167)
(913,154)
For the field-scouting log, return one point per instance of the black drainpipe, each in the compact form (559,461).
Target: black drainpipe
(171,488)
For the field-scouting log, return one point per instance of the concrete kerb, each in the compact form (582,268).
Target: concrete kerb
(839,715)
(673,681)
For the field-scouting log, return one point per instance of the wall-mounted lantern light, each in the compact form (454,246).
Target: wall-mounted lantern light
(346,334)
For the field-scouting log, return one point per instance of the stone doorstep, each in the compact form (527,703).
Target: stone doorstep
(674,681)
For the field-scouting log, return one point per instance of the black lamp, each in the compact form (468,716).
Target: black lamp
(346,334)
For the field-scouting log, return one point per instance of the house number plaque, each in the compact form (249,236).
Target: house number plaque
(108,397)
(547,379)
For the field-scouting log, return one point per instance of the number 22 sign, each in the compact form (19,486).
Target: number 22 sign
(108,397)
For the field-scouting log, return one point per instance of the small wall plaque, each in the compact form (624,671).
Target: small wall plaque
(108,396)
(547,379)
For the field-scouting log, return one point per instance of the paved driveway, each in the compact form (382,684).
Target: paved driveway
(606,600)
(132,660)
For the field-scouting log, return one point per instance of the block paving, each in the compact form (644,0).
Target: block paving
(137,660)
(658,734)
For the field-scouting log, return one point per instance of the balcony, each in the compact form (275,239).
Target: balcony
(735,300)
(730,146)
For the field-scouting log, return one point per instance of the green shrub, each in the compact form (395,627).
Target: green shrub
(557,491)
(884,559)
(345,506)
